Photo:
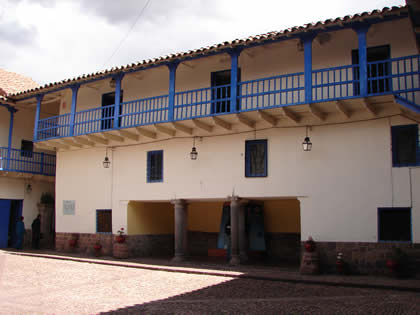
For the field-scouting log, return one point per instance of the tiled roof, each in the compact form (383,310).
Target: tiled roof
(12,83)
(271,36)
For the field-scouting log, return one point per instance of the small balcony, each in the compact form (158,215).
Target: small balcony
(19,161)
(397,76)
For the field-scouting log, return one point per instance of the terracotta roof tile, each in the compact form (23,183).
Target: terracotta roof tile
(12,83)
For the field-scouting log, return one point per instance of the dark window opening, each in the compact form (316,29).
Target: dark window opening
(405,145)
(220,95)
(377,73)
(154,166)
(104,221)
(108,112)
(394,224)
(27,148)
(256,158)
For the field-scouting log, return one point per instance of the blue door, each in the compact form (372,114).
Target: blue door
(5,206)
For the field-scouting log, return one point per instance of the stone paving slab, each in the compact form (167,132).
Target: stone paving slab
(256,272)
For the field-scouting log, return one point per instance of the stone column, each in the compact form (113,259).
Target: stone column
(234,229)
(243,248)
(181,229)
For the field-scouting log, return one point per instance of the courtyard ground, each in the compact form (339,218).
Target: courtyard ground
(46,283)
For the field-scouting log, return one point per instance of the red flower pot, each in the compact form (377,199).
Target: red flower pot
(309,246)
(120,238)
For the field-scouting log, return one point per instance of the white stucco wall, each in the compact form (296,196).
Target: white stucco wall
(340,183)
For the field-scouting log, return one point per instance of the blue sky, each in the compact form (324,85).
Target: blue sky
(51,40)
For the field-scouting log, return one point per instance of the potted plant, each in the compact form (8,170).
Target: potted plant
(120,238)
(97,249)
(309,245)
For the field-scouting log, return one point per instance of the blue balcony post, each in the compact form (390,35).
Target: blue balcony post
(12,111)
(361,31)
(74,89)
(118,78)
(171,94)
(307,51)
(234,56)
(37,114)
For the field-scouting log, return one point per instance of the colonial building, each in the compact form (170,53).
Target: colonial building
(25,173)
(310,131)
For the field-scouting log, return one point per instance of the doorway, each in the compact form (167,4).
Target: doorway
(10,212)
(109,111)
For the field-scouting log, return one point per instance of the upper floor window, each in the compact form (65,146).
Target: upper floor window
(27,148)
(155,166)
(256,158)
(405,145)
(378,69)
(220,91)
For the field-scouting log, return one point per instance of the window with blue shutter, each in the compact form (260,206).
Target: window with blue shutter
(155,166)
(256,158)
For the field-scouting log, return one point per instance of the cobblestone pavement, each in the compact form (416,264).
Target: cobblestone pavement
(33,285)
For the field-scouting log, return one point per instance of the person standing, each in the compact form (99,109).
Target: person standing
(20,233)
(36,232)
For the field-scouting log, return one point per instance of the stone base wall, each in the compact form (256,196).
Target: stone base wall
(139,245)
(366,258)
(284,247)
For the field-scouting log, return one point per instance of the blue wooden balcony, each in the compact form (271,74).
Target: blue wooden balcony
(396,76)
(20,161)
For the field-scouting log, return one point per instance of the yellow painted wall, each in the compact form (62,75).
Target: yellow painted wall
(150,218)
(205,216)
(282,215)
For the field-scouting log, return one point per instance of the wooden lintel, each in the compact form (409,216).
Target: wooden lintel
(268,118)
(182,128)
(317,113)
(221,123)
(146,132)
(246,121)
(168,131)
(341,107)
(201,125)
(71,143)
(369,107)
(128,135)
(59,145)
(291,115)
(98,139)
(113,137)
(84,141)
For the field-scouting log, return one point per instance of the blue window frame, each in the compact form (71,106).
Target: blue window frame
(405,145)
(394,225)
(256,158)
(104,221)
(155,166)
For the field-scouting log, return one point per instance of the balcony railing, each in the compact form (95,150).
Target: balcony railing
(27,162)
(398,76)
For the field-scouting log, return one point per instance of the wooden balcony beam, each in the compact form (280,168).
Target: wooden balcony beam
(182,128)
(146,133)
(71,143)
(128,135)
(291,115)
(84,141)
(59,145)
(113,137)
(317,113)
(369,107)
(43,146)
(165,130)
(221,123)
(245,121)
(98,139)
(202,125)
(267,118)
(341,107)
